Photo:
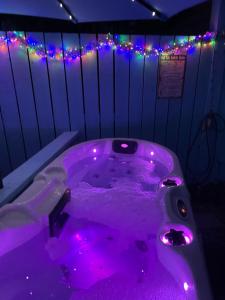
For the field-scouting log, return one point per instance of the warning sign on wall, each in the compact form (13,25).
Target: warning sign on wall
(171,76)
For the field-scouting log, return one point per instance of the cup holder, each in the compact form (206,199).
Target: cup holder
(177,236)
(171,182)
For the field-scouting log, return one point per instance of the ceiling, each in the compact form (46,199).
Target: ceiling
(95,10)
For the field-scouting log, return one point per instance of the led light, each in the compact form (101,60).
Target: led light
(151,153)
(153,13)
(95,158)
(186,286)
(94,150)
(124,146)
(78,237)
(187,239)
(70,17)
(60,4)
(164,240)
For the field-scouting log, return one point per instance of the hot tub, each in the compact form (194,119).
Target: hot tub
(109,219)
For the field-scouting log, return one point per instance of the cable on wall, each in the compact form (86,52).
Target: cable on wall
(210,127)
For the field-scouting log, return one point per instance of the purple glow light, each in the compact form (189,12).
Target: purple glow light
(187,239)
(78,237)
(164,240)
(94,150)
(151,153)
(124,146)
(95,158)
(186,286)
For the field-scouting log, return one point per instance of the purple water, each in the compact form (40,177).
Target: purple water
(107,249)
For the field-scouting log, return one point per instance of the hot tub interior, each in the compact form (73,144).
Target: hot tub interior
(107,249)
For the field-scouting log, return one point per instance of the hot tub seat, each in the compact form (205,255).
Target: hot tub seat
(28,215)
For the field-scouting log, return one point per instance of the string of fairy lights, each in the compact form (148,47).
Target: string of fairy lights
(118,43)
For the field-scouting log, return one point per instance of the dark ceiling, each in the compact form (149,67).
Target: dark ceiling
(128,16)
